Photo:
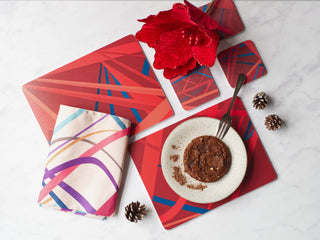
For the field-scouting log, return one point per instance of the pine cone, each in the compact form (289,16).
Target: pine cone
(260,100)
(273,122)
(135,212)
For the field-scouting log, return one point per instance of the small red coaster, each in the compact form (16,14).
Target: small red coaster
(195,88)
(199,86)
(242,58)
(174,210)
(225,13)
(115,79)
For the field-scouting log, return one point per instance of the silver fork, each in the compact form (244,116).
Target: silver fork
(225,121)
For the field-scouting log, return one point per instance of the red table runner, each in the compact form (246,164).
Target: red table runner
(174,210)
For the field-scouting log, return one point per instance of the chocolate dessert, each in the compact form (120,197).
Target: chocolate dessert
(207,159)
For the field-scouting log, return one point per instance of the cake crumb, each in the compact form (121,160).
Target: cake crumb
(174,157)
(177,175)
(197,187)
(174,147)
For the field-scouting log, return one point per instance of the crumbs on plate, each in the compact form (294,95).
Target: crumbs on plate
(174,157)
(178,176)
(197,187)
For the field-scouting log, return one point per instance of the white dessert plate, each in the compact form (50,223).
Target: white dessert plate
(176,143)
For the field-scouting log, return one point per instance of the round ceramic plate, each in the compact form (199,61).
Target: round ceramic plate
(176,143)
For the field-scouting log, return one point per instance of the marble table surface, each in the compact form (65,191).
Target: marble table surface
(37,37)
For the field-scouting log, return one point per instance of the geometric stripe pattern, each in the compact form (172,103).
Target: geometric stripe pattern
(85,161)
(174,210)
(116,79)
(199,86)
(242,58)
(195,88)
(225,13)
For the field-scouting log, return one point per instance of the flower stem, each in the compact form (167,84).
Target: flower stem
(210,6)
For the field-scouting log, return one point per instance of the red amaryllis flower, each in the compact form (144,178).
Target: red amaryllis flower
(183,38)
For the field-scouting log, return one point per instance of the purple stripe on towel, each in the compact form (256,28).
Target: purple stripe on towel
(78,161)
(76,195)
(78,134)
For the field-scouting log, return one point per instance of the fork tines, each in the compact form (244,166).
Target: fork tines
(224,126)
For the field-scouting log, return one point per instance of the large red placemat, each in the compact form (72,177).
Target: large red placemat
(115,79)
(174,210)
(242,58)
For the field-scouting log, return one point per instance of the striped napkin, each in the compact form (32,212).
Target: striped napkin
(85,161)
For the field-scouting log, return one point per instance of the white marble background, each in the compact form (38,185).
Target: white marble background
(37,37)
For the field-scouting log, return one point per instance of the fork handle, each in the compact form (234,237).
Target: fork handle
(240,82)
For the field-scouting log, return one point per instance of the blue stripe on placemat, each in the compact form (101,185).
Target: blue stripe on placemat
(185,207)
(247,130)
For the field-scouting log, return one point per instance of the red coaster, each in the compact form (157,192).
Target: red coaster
(225,13)
(174,210)
(195,88)
(242,58)
(199,86)
(115,79)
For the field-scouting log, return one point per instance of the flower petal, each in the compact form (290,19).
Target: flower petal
(170,73)
(164,21)
(172,50)
(206,54)
(181,13)
(154,26)
(200,17)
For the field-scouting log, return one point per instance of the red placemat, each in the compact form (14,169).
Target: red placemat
(242,58)
(174,210)
(115,79)
(195,88)
(225,13)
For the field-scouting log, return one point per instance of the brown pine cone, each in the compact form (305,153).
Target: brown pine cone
(273,122)
(135,212)
(260,100)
